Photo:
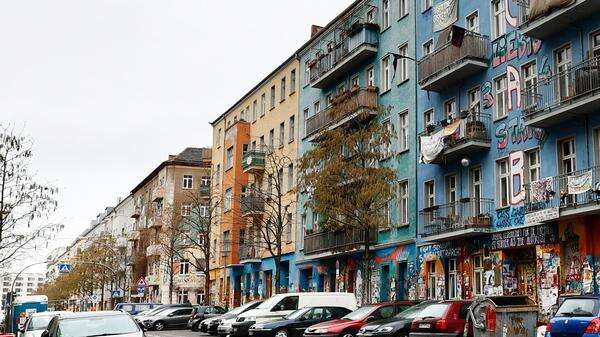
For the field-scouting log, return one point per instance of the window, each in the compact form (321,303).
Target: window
(533,165)
(288,228)
(219,137)
(473,100)
(282,89)
(529,75)
(263,105)
(568,159)
(426,4)
(261,141)
(354,82)
(288,303)
(476,190)
(317,107)
(428,47)
(271,139)
(292,128)
(562,63)
(498,19)
(272,105)
(451,193)
(478,274)
(403,203)
(428,118)
(304,120)
(370,77)
(429,199)
(184,267)
(450,109)
(402,66)
(502,183)
(402,8)
(226,243)
(472,21)
(341,88)
(293,81)
(188,182)
(371,15)
(500,95)
(186,210)
(228,199)
(452,279)
(385,14)
(431,281)
(281,134)
(306,72)
(290,174)
(386,73)
(315,221)
(387,149)
(229,158)
(595,44)
(218,173)
(403,131)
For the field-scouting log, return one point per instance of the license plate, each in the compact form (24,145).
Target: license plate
(424,326)
(250,333)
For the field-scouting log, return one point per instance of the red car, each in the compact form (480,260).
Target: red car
(446,318)
(349,325)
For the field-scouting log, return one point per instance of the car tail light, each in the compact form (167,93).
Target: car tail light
(549,326)
(414,325)
(441,324)
(593,327)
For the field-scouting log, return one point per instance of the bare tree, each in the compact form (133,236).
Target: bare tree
(24,202)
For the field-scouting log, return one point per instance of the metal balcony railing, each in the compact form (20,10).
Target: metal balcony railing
(555,191)
(542,18)
(343,106)
(205,190)
(249,252)
(448,57)
(562,90)
(336,241)
(468,213)
(252,204)
(253,160)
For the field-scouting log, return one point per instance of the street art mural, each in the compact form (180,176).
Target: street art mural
(513,46)
(548,263)
(509,217)
(515,132)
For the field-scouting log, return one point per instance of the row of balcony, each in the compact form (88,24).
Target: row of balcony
(466,217)
(336,241)
(542,19)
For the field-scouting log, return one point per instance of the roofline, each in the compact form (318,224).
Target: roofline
(255,88)
(164,164)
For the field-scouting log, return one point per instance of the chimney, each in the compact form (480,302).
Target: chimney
(314,29)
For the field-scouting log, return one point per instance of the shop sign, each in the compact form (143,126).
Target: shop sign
(541,216)
(523,237)
(440,250)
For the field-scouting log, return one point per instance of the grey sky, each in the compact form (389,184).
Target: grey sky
(109,88)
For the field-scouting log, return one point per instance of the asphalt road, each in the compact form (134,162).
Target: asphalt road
(175,333)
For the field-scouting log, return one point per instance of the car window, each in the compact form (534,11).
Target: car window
(581,307)
(142,307)
(384,312)
(220,310)
(464,309)
(38,323)
(181,312)
(435,310)
(126,307)
(287,303)
(318,313)
(97,325)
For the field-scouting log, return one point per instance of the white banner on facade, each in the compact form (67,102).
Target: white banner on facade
(580,183)
(541,216)
(445,14)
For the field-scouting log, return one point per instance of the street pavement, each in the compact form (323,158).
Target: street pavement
(175,333)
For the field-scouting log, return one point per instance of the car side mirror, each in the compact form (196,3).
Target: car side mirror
(170,315)
(370,318)
(302,318)
(45,333)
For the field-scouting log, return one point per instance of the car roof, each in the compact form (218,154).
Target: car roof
(93,314)
(50,313)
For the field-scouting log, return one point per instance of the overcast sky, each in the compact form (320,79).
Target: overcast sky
(109,88)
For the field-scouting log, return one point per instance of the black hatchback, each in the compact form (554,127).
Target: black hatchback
(294,324)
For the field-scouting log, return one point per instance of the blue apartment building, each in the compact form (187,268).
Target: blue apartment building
(350,61)
(508,139)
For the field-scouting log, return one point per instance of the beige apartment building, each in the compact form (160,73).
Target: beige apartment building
(255,143)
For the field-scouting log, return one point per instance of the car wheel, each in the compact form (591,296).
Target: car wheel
(159,326)
(196,327)
(346,334)
(281,333)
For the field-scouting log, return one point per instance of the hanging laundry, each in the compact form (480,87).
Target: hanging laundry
(445,14)
(580,183)
(541,190)
(431,146)
(450,129)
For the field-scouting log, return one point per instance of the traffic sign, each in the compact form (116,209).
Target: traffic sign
(64,268)
(117,293)
(141,290)
(142,282)
(94,299)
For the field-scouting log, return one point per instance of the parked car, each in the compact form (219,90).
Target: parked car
(350,324)
(212,325)
(396,326)
(140,317)
(38,322)
(135,308)
(168,318)
(202,312)
(93,323)
(282,305)
(577,316)
(446,318)
(294,324)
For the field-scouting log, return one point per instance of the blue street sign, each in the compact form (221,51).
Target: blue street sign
(141,290)
(64,268)
(117,293)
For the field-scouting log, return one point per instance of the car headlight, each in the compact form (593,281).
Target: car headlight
(319,331)
(251,319)
(385,329)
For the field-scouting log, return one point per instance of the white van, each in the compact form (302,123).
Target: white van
(281,305)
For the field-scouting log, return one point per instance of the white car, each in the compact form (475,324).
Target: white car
(94,323)
(38,322)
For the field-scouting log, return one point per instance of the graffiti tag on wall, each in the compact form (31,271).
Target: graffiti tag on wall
(515,132)
(513,45)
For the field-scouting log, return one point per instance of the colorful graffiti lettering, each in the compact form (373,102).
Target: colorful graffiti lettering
(516,132)
(510,217)
(486,93)
(510,19)
(545,69)
(513,45)
(516,160)
(514,86)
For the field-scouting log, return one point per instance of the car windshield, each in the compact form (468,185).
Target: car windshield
(38,323)
(270,302)
(413,312)
(582,307)
(359,313)
(434,310)
(296,314)
(151,311)
(239,310)
(96,326)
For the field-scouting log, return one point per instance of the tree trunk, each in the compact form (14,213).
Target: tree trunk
(206,287)
(277,275)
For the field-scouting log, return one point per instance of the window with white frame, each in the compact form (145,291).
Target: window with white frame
(354,81)
(306,72)
(182,296)
(474,100)
(529,76)
(188,182)
(292,128)
(292,81)
(472,21)
(271,139)
(386,148)
(428,118)
(567,155)
(533,165)
(371,15)
(370,74)
(476,190)
(498,19)
(500,96)
(403,131)
(229,158)
(290,176)
(186,210)
(184,267)
(429,199)
(254,107)
(428,47)
(385,14)
(316,107)
(386,73)
(272,104)
(452,279)
(402,8)
(305,115)
(562,63)
(228,199)
(452,193)
(502,183)
(263,104)
(431,280)
(595,44)
(328,100)
(282,89)
(315,221)
(478,274)
(281,133)
(403,202)
(450,109)
(226,243)
(402,66)
(204,211)
(288,228)
(426,4)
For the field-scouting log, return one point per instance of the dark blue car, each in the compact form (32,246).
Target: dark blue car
(578,316)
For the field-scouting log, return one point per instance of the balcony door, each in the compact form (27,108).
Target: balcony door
(451,197)
(567,165)
(476,191)
(562,63)
(429,200)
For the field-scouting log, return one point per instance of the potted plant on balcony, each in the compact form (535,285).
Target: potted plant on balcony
(372,88)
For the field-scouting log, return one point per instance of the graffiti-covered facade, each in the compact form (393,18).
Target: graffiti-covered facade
(352,60)
(508,143)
